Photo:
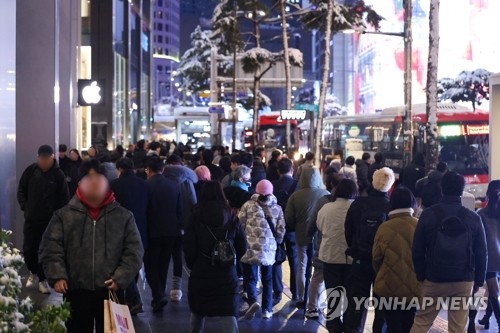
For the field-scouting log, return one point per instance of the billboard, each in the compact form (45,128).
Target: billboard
(468,41)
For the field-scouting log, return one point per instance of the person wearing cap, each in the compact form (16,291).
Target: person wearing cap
(42,190)
(259,216)
(91,246)
(363,218)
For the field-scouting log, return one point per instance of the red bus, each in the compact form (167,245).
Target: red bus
(463,139)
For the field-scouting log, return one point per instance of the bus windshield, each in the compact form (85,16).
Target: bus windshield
(274,137)
(465,154)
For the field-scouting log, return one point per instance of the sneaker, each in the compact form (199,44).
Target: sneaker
(312,314)
(43,287)
(250,314)
(267,314)
(32,279)
(175,295)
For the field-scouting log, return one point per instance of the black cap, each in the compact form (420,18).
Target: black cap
(45,150)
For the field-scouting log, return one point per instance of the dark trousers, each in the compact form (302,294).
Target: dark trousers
(33,233)
(132,294)
(291,254)
(177,256)
(399,321)
(156,262)
(87,310)
(359,283)
(251,276)
(335,275)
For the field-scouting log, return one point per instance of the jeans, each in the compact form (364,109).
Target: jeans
(33,233)
(291,254)
(317,286)
(156,262)
(87,310)
(359,285)
(335,275)
(304,269)
(251,276)
(197,324)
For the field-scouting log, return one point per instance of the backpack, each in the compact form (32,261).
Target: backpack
(282,196)
(451,250)
(367,228)
(223,254)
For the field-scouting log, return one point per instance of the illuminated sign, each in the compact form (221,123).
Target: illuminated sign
(90,92)
(477,129)
(293,114)
(450,130)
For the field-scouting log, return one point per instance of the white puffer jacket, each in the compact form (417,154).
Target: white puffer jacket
(261,245)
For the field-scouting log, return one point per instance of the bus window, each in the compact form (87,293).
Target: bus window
(467,155)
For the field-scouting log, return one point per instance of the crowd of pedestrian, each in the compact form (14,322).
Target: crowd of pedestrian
(93,220)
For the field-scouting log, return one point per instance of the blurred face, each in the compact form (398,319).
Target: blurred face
(234,166)
(94,186)
(73,155)
(246,178)
(494,195)
(280,156)
(62,154)
(91,152)
(45,162)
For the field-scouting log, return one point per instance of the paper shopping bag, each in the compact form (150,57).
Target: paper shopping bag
(119,318)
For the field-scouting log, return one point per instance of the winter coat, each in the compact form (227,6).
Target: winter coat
(165,209)
(272,173)
(349,172)
(362,168)
(302,167)
(433,176)
(258,171)
(212,291)
(216,172)
(283,188)
(261,244)
(376,201)
(410,175)
(72,176)
(186,178)
(491,223)
(40,193)
(330,223)
(236,196)
(140,157)
(86,253)
(111,172)
(371,170)
(424,235)
(134,194)
(392,256)
(300,208)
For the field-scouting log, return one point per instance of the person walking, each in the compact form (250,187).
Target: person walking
(379,163)
(175,170)
(299,211)
(392,261)
(134,194)
(73,167)
(491,220)
(413,172)
(308,163)
(330,224)
(264,225)
(42,190)
(212,291)
(204,176)
(164,229)
(348,170)
(238,191)
(272,173)
(449,255)
(362,169)
(91,246)
(363,219)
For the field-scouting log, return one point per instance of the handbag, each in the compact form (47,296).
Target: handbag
(280,248)
(117,318)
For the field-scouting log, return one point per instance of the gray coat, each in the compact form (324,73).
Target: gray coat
(86,253)
(300,207)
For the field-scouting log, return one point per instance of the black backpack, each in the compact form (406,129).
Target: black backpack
(451,253)
(282,196)
(365,233)
(223,254)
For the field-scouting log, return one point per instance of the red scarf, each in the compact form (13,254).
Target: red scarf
(95,211)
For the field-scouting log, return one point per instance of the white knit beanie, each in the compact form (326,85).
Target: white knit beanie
(383,179)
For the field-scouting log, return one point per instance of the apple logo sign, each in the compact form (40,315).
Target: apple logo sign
(90,92)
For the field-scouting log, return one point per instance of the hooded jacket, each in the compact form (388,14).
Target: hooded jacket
(186,179)
(300,207)
(40,193)
(261,245)
(392,256)
(87,252)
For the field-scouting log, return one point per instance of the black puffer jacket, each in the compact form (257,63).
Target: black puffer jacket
(41,193)
(212,291)
(87,253)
